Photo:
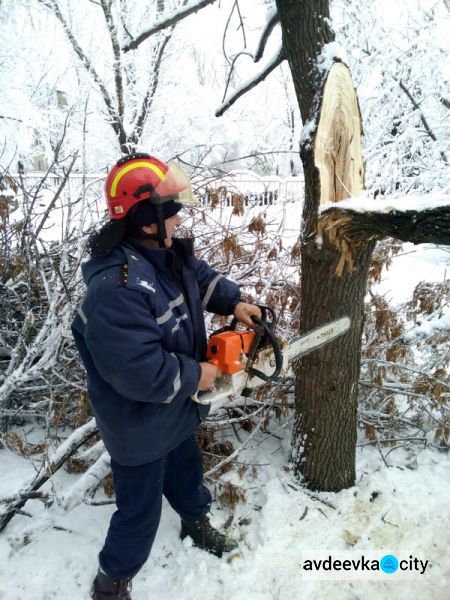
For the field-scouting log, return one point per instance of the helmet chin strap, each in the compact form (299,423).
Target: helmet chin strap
(161,234)
(161,225)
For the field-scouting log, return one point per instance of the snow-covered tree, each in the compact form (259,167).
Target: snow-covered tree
(337,241)
(335,249)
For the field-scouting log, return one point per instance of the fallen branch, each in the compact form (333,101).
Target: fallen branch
(48,468)
(76,494)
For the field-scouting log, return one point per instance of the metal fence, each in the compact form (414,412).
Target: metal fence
(251,188)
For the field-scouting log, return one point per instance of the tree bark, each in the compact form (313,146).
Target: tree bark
(324,436)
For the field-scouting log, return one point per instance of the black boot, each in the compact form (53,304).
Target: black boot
(105,588)
(206,537)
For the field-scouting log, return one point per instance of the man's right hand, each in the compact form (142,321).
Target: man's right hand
(209,374)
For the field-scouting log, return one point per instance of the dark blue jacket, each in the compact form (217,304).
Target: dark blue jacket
(140,332)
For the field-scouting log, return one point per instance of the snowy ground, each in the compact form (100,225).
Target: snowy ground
(401,509)
(415,263)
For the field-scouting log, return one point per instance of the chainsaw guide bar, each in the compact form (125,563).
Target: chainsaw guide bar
(239,376)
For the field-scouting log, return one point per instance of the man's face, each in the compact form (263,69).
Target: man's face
(171,224)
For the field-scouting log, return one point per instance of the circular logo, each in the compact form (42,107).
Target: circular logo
(389,563)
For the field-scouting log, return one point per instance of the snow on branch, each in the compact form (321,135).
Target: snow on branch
(422,118)
(429,226)
(365,203)
(329,54)
(81,435)
(429,327)
(167,20)
(88,482)
(347,223)
(272,19)
(277,59)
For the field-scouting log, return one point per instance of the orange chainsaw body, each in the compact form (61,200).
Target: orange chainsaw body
(226,350)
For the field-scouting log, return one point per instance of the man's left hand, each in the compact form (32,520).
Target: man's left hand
(244,313)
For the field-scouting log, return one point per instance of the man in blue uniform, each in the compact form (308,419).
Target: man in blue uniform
(141,335)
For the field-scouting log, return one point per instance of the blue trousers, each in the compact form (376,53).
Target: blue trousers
(179,476)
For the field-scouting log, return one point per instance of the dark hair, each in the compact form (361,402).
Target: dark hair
(101,243)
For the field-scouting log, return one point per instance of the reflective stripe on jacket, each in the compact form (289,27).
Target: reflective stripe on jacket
(140,332)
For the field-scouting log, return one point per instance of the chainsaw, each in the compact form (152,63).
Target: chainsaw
(250,358)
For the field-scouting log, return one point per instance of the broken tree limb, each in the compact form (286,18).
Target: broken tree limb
(49,466)
(348,228)
(87,483)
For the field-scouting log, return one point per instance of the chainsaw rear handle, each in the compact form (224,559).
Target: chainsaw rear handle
(264,329)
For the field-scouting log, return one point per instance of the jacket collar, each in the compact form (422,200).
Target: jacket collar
(137,256)
(161,258)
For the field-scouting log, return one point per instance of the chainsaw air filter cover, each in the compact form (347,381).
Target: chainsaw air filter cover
(227,350)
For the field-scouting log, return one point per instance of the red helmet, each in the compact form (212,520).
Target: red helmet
(138,177)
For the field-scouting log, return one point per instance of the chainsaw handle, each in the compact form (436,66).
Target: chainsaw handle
(264,309)
(264,329)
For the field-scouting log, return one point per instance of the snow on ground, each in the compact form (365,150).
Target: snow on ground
(402,509)
(425,262)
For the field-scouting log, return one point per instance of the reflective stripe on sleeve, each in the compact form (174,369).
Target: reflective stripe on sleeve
(82,315)
(210,290)
(176,383)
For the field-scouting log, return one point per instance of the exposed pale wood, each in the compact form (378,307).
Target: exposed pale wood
(337,146)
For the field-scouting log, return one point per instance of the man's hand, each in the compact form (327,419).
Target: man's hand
(209,374)
(244,313)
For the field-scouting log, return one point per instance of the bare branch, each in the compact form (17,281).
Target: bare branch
(115,120)
(224,36)
(166,21)
(422,118)
(112,30)
(10,118)
(149,96)
(241,26)
(56,196)
(278,59)
(232,64)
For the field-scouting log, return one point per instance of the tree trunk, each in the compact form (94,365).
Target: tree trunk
(324,437)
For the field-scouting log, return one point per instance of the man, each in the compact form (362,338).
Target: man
(141,335)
